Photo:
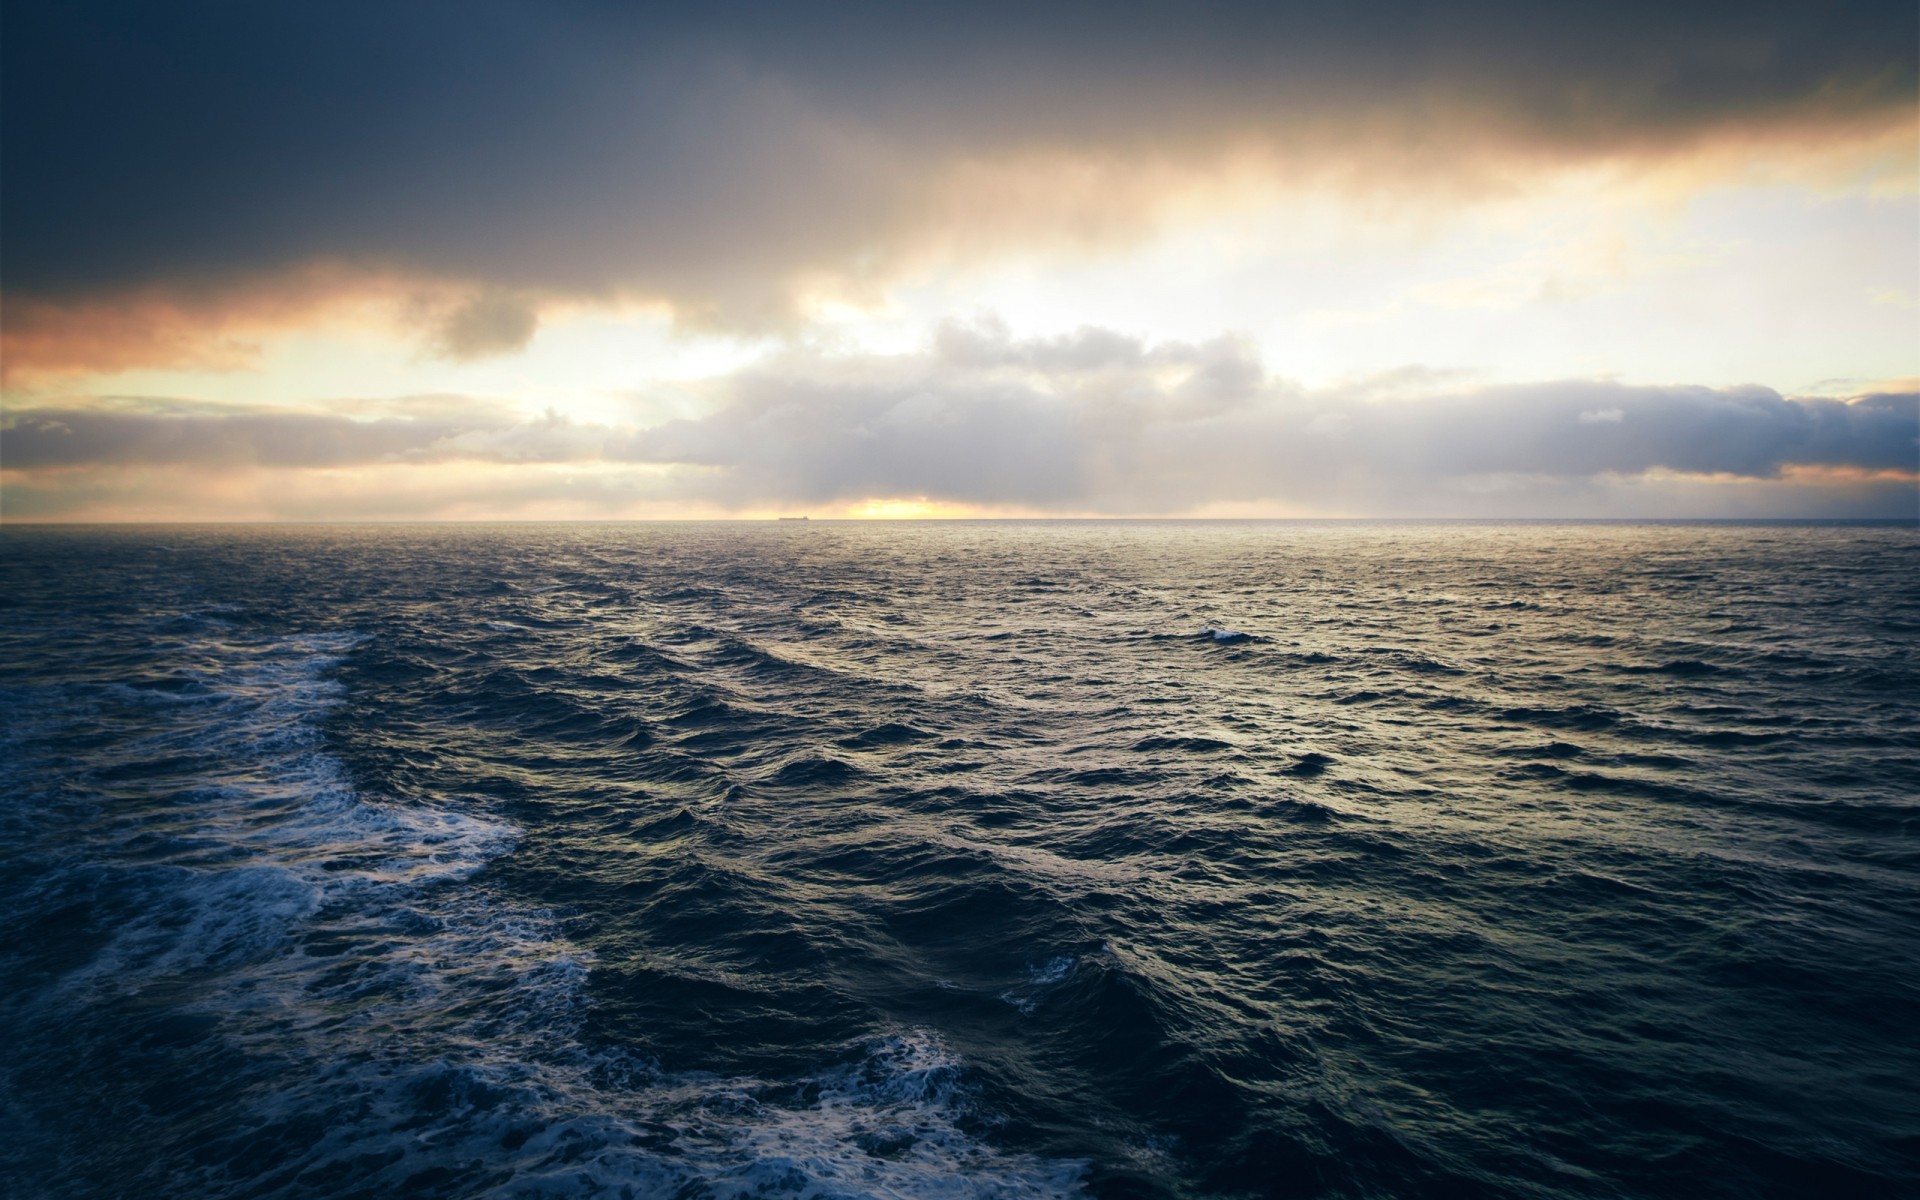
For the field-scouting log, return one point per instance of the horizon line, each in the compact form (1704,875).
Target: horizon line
(1374,520)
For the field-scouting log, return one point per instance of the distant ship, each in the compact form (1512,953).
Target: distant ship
(792,518)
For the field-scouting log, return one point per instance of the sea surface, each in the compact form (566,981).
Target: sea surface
(960,860)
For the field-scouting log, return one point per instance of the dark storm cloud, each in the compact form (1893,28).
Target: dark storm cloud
(701,152)
(1093,422)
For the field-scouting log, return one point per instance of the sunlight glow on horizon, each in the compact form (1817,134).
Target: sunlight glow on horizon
(1772,283)
(1151,285)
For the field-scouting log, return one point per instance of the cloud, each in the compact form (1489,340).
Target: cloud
(217,328)
(1103,424)
(1093,422)
(223,327)
(719,156)
(490,323)
(415,431)
(36,440)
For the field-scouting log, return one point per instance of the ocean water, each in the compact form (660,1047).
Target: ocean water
(957,860)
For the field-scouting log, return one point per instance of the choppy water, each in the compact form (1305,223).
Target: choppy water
(961,860)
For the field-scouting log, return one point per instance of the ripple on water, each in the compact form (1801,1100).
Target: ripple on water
(1009,860)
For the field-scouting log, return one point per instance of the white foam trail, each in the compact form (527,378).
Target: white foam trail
(275,833)
(417,1021)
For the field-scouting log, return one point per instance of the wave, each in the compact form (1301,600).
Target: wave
(1187,744)
(1226,636)
(1022,891)
(350,1002)
(1685,668)
(1311,763)
(892,733)
(812,770)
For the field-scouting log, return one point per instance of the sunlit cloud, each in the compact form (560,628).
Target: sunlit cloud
(708,248)
(981,421)
(732,169)
(1055,207)
(229,326)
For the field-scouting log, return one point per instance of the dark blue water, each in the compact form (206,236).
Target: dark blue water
(961,860)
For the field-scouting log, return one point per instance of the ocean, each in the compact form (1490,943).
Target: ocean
(822,859)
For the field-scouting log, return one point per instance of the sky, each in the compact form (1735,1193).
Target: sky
(575,260)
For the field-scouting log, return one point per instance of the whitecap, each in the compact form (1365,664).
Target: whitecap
(1224,635)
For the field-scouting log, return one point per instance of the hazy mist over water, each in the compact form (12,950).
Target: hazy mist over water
(972,859)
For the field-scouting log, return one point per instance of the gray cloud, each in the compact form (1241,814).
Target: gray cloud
(163,434)
(50,438)
(705,153)
(489,323)
(989,420)
(1092,422)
